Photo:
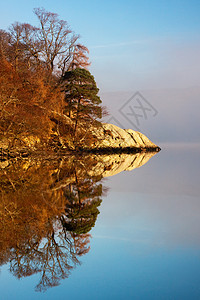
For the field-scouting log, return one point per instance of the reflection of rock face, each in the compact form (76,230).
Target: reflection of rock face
(105,165)
(109,165)
(112,136)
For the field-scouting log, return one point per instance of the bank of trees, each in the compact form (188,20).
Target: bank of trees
(44,84)
(52,45)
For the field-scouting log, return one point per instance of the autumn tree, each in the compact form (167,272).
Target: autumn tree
(79,58)
(5,39)
(59,45)
(52,44)
(27,102)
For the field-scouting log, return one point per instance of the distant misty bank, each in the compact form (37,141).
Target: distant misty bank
(176,121)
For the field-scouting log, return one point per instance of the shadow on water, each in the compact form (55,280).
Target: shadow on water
(48,208)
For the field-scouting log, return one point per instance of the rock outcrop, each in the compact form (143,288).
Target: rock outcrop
(111,136)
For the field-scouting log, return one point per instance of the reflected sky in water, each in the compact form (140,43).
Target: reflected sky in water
(146,241)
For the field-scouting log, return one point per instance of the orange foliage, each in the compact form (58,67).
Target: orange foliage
(26,100)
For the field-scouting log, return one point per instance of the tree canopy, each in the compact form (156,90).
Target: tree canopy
(52,44)
(82,104)
(45,87)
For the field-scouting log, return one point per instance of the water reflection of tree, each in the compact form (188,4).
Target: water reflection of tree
(54,257)
(81,209)
(46,213)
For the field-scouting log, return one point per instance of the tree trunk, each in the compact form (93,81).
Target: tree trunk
(77,117)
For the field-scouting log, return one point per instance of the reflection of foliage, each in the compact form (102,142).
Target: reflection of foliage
(81,211)
(46,212)
(81,218)
(54,257)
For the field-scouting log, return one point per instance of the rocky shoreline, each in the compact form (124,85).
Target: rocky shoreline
(110,139)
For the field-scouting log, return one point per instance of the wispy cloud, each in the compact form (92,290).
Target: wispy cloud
(120,44)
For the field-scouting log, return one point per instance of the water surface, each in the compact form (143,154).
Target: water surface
(68,232)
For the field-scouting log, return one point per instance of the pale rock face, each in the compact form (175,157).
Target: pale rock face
(112,136)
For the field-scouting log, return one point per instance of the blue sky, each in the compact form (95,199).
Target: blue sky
(133,44)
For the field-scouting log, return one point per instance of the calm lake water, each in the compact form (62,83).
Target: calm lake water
(134,235)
